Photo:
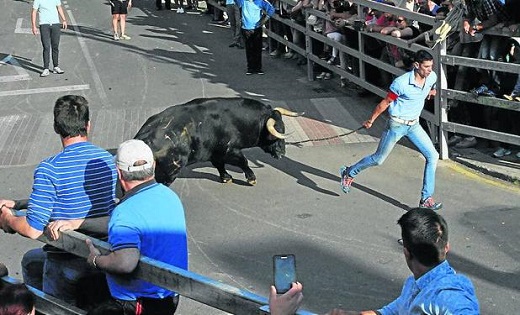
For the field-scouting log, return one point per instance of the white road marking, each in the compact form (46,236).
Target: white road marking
(22,75)
(95,76)
(21,30)
(66,88)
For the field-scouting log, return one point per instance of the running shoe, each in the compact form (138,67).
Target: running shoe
(429,203)
(45,73)
(57,70)
(346,181)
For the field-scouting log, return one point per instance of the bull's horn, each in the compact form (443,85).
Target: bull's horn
(287,112)
(270,127)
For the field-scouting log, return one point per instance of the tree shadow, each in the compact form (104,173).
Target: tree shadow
(24,62)
(499,224)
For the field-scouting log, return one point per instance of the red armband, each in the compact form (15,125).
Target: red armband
(391,95)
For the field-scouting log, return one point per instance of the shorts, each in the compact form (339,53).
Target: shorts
(119,7)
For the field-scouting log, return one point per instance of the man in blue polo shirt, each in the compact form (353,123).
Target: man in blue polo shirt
(148,221)
(405,102)
(75,184)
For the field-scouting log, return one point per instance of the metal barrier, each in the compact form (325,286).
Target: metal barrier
(438,122)
(188,284)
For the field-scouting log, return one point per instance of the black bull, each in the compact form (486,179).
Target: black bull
(216,130)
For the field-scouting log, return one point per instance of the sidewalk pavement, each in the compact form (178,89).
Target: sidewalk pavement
(481,159)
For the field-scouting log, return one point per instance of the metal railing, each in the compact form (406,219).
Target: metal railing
(188,284)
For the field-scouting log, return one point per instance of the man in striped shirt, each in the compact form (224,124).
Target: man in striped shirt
(77,183)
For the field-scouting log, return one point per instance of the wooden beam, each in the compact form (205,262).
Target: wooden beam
(484,100)
(481,133)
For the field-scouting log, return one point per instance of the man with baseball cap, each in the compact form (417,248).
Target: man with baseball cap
(149,214)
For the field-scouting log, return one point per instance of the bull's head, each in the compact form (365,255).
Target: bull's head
(274,143)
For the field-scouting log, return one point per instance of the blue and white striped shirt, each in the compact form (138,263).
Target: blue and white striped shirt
(77,183)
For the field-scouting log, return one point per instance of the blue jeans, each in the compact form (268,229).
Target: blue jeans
(418,137)
(516,89)
(55,274)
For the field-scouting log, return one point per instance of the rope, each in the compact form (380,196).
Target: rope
(297,143)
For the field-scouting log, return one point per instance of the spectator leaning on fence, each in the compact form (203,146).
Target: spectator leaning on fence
(77,183)
(433,288)
(148,221)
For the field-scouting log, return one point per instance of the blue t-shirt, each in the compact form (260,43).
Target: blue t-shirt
(150,218)
(47,11)
(440,291)
(79,182)
(252,11)
(410,96)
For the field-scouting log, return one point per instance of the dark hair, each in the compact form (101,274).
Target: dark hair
(422,56)
(16,299)
(425,235)
(71,116)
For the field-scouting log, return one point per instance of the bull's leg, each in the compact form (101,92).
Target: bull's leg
(235,157)
(220,166)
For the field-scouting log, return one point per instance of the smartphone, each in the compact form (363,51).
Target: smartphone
(284,267)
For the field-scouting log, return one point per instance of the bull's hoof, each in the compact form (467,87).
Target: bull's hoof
(226,179)
(251,181)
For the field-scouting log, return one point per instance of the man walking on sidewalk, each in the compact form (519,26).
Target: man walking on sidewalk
(404,101)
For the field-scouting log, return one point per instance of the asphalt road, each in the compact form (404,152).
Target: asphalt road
(345,245)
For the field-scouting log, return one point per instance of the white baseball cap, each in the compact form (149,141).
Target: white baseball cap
(132,151)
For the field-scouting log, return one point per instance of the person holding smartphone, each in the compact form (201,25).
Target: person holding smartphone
(434,284)
(287,303)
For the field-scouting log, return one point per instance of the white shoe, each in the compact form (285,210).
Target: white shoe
(45,73)
(57,70)
(116,36)
(180,10)
(501,152)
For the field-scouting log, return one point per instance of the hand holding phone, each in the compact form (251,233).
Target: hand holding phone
(284,267)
